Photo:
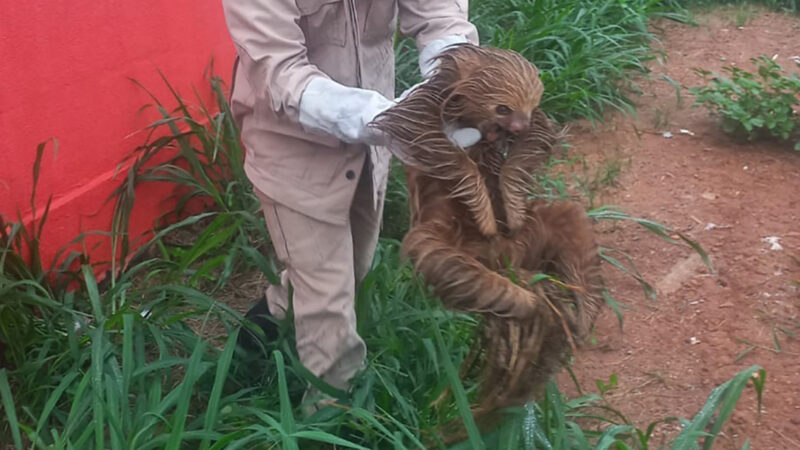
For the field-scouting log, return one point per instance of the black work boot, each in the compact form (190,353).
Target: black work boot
(259,317)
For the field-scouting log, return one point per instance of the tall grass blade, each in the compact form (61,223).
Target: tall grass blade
(320,436)
(287,416)
(223,365)
(460,395)
(11,412)
(193,373)
(93,293)
(128,365)
(660,230)
(722,400)
(65,383)
(97,387)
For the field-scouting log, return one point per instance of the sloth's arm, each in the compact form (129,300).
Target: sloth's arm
(460,280)
(529,155)
(471,190)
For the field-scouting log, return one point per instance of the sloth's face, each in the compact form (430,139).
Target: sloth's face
(508,120)
(500,110)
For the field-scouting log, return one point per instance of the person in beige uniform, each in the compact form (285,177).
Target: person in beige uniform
(311,75)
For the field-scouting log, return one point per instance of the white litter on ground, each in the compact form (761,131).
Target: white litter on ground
(774,242)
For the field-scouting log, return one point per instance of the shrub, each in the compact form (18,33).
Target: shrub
(754,105)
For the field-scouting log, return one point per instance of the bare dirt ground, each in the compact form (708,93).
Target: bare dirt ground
(705,326)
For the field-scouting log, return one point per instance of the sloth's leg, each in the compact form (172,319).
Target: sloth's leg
(565,241)
(462,282)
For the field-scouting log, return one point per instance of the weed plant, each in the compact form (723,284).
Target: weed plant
(202,156)
(764,104)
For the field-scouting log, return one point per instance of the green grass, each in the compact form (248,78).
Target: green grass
(587,51)
(129,363)
(133,380)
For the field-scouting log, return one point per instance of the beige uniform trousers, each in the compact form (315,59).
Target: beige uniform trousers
(324,263)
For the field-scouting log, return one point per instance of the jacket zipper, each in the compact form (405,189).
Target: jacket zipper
(351,6)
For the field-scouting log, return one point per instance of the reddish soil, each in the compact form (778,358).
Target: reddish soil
(705,326)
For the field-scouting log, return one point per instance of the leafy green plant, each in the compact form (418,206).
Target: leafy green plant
(754,105)
(196,148)
(603,387)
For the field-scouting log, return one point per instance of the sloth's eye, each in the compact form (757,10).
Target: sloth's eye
(503,110)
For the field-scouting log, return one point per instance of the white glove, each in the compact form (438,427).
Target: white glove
(427,61)
(408,91)
(460,137)
(344,112)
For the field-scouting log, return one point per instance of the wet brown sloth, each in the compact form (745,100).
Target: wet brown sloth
(531,268)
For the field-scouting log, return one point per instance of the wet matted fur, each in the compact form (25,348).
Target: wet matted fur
(477,238)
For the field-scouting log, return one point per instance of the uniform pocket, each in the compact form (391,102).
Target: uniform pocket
(322,168)
(323,22)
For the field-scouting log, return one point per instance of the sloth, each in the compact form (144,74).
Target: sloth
(530,268)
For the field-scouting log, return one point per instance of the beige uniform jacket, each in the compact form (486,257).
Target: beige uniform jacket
(282,45)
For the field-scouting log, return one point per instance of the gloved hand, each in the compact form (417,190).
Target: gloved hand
(461,137)
(344,112)
(427,57)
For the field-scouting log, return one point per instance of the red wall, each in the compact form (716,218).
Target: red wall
(65,67)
